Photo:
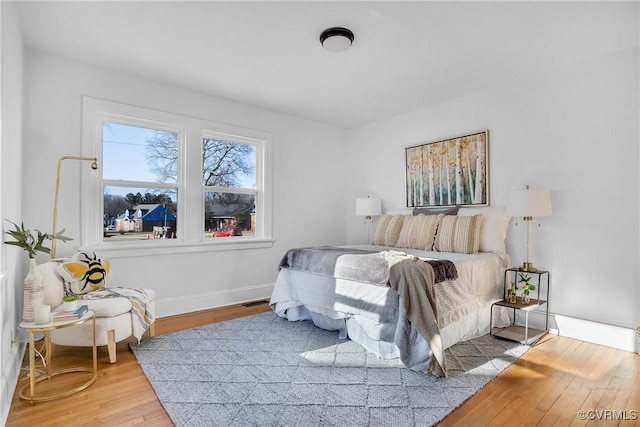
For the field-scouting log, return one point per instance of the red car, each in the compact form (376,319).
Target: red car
(231,231)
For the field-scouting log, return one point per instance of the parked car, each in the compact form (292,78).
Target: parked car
(228,231)
(109,230)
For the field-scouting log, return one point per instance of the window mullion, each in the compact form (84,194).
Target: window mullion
(191,166)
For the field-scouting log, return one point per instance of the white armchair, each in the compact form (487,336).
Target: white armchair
(114,316)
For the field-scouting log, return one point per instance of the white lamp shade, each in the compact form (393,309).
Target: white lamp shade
(529,203)
(368,206)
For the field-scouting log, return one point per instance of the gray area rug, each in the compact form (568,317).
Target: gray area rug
(266,371)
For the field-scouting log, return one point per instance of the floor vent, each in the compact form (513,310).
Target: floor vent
(252,303)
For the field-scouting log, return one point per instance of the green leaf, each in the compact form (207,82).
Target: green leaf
(27,240)
(62,237)
(14,244)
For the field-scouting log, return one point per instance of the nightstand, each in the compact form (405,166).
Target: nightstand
(523,334)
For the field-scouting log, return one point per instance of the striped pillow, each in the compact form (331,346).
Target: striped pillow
(388,230)
(459,234)
(418,232)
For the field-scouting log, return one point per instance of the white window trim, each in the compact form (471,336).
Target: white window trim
(190,188)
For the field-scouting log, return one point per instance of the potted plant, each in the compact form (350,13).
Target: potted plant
(525,287)
(32,242)
(69,303)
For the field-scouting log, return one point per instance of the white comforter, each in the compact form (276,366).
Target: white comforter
(372,315)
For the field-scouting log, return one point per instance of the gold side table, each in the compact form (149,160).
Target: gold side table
(47,328)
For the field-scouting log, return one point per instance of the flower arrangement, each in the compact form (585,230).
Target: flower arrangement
(32,241)
(525,286)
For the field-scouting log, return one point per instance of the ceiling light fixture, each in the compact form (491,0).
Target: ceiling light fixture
(336,39)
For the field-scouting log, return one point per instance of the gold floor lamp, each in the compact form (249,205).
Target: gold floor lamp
(94,167)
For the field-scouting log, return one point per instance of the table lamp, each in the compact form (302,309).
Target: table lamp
(528,203)
(368,207)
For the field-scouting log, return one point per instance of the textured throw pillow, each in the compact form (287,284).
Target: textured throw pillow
(388,230)
(53,285)
(451,210)
(459,234)
(418,232)
(84,273)
(381,229)
(494,226)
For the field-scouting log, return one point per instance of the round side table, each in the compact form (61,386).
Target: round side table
(33,328)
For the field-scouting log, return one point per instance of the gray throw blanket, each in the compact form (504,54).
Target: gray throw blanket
(355,264)
(414,280)
(342,263)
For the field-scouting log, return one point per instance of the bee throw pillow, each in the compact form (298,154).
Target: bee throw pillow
(85,272)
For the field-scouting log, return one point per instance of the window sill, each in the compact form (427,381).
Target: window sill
(126,250)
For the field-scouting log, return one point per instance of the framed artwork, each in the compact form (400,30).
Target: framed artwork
(449,172)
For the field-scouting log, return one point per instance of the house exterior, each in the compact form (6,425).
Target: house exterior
(146,218)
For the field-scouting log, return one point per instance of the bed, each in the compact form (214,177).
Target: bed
(381,317)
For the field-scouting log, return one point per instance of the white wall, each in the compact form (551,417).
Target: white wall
(13,262)
(308,197)
(575,132)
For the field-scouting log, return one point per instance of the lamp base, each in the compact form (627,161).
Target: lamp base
(527,266)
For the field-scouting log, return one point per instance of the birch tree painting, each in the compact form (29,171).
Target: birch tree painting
(448,172)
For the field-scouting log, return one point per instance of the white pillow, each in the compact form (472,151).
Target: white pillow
(53,284)
(494,226)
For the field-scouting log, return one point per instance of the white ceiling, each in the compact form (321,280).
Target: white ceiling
(406,55)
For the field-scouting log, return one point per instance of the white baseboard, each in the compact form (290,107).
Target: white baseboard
(187,304)
(598,333)
(585,330)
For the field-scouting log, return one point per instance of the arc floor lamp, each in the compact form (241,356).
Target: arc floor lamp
(94,167)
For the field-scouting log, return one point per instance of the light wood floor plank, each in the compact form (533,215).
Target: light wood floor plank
(547,386)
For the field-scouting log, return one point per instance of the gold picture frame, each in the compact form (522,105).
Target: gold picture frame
(449,172)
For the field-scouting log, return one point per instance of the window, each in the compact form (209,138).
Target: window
(230,186)
(140,182)
(170,181)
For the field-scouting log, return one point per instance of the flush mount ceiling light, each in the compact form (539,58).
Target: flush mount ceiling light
(336,39)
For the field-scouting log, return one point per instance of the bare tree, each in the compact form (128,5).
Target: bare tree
(114,205)
(162,155)
(224,163)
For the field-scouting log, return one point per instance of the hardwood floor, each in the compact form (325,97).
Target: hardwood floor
(549,385)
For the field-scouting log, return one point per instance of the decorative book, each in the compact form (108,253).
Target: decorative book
(70,315)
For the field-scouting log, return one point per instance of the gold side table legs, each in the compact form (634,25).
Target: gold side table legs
(30,394)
